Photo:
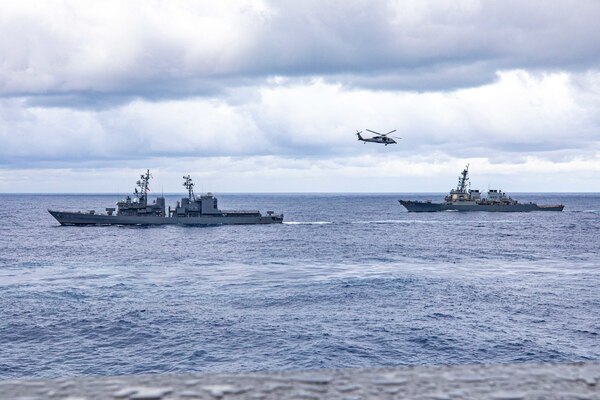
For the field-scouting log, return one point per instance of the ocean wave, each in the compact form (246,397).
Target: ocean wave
(406,221)
(431,288)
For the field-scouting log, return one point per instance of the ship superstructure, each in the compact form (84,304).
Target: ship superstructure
(139,207)
(463,198)
(190,210)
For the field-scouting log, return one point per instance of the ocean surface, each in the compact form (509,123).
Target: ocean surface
(348,280)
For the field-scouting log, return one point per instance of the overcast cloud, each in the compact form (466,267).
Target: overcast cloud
(268,95)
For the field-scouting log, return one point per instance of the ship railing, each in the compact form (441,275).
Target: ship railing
(241,212)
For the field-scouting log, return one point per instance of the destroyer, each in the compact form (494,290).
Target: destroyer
(461,199)
(191,210)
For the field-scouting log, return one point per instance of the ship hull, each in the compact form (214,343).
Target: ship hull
(78,218)
(420,206)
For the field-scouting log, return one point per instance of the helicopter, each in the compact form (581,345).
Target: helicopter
(378,138)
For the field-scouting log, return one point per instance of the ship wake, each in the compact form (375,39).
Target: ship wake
(307,222)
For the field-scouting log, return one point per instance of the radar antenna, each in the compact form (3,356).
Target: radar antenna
(142,194)
(463,179)
(189,185)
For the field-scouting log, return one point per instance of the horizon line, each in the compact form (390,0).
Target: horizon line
(298,192)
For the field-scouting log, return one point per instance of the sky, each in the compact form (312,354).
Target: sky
(266,96)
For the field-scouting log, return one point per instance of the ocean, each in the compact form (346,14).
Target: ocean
(349,280)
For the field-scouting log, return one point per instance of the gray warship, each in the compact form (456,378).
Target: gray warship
(191,210)
(463,199)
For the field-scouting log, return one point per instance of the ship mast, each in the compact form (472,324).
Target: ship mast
(142,195)
(463,179)
(189,185)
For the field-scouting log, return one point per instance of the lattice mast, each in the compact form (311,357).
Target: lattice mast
(142,194)
(463,180)
(189,185)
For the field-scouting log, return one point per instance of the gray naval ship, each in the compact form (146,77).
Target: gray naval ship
(461,199)
(191,210)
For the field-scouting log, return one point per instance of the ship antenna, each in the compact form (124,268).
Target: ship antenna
(463,179)
(189,185)
(143,185)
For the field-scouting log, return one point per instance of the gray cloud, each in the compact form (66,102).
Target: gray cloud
(282,85)
(518,115)
(78,55)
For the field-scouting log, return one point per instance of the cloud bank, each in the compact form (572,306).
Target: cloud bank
(161,49)
(115,85)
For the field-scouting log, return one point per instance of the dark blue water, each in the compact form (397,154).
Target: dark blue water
(348,281)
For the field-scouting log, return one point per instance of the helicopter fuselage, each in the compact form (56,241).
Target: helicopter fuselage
(378,139)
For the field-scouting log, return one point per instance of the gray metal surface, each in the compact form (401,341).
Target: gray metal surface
(191,210)
(80,218)
(464,199)
(500,382)
(421,206)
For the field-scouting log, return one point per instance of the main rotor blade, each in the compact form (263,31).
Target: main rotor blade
(396,137)
(377,133)
(385,134)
